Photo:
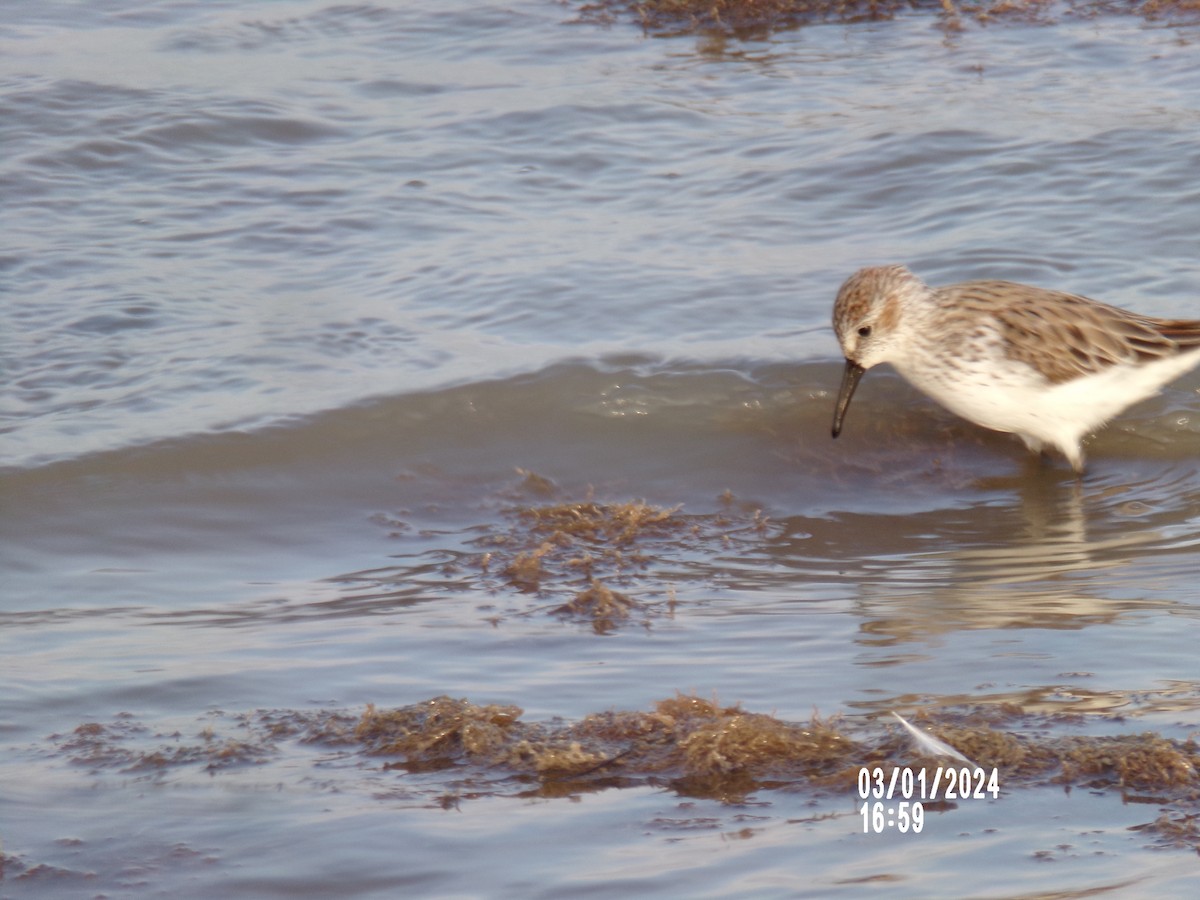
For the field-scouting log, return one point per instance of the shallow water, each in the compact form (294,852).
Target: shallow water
(295,296)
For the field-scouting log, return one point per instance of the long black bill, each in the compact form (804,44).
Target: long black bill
(850,380)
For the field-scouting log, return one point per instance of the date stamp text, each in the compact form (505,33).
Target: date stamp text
(895,799)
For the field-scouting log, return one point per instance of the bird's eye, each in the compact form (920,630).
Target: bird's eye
(865,331)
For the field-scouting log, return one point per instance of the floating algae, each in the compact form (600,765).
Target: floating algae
(754,19)
(605,607)
(694,746)
(602,561)
(566,541)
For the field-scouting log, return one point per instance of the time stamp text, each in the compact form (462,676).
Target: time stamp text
(896,800)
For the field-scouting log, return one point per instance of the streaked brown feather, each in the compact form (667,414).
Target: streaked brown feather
(1093,335)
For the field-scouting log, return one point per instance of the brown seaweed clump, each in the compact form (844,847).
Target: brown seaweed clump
(607,563)
(1140,762)
(606,558)
(582,539)
(742,18)
(697,747)
(445,732)
(439,731)
(705,749)
(613,524)
(97,746)
(757,18)
(577,546)
(604,606)
(714,750)
(1132,764)
(721,751)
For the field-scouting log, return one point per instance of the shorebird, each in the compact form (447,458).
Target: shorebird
(1045,365)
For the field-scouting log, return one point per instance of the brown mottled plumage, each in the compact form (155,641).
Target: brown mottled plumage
(1043,364)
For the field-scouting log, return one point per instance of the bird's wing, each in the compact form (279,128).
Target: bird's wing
(1064,336)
